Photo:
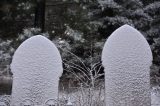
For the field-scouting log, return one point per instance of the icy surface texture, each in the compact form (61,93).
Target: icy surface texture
(36,68)
(127,59)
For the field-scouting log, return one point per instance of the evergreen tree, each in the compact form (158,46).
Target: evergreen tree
(14,16)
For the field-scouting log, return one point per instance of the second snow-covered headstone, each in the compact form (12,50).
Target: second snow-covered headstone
(36,68)
(127,58)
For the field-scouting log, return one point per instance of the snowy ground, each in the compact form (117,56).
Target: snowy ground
(79,98)
(84,97)
(155,96)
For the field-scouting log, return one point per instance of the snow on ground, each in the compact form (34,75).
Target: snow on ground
(84,97)
(155,96)
(75,98)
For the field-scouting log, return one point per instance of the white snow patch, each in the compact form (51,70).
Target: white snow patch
(36,68)
(127,59)
(155,96)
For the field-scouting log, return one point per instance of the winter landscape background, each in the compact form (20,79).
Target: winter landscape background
(79,28)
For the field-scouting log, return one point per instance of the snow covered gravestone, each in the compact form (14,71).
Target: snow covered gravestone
(36,68)
(127,58)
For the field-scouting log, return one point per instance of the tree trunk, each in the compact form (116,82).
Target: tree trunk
(40,15)
(5,85)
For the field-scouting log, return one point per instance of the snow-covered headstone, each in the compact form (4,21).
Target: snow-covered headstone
(36,68)
(127,58)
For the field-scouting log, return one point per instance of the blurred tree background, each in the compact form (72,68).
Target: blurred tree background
(77,27)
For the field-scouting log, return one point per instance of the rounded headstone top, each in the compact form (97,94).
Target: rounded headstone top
(37,51)
(127,58)
(126,41)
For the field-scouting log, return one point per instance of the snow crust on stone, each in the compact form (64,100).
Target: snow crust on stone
(127,58)
(36,67)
